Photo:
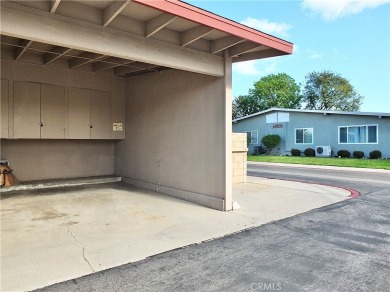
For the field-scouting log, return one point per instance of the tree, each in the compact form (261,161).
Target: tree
(329,91)
(278,90)
(271,141)
(244,105)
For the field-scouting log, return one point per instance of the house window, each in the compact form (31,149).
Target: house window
(252,137)
(277,118)
(304,136)
(367,134)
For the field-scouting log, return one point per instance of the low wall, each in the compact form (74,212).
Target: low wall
(239,150)
(42,159)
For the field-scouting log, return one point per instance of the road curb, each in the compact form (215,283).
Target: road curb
(377,170)
(353,193)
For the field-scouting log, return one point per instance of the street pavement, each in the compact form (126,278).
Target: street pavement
(364,181)
(341,247)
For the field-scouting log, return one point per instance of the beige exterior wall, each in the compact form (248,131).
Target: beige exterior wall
(175,136)
(52,159)
(239,157)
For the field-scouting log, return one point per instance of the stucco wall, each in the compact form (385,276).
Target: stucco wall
(325,131)
(175,140)
(51,159)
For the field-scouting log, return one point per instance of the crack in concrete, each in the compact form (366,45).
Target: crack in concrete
(83,245)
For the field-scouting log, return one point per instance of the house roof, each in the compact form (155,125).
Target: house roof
(170,23)
(323,112)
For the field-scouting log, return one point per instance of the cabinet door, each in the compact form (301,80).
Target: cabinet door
(4,109)
(79,113)
(52,111)
(27,110)
(100,114)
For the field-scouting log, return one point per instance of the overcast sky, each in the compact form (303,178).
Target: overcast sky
(349,37)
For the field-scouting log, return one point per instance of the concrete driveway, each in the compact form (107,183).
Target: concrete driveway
(49,236)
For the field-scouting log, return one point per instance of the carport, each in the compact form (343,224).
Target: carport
(137,89)
(48,236)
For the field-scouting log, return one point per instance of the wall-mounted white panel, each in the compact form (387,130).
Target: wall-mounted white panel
(283,117)
(271,118)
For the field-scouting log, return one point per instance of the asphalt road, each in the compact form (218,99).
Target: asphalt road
(364,182)
(341,247)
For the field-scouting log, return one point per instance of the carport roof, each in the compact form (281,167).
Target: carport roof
(228,26)
(168,24)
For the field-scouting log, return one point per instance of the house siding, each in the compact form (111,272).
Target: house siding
(325,131)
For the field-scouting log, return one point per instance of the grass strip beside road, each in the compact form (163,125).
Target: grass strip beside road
(344,162)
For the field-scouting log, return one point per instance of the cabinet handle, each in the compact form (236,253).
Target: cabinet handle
(41,124)
(90,126)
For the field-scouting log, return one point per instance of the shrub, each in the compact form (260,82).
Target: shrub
(343,153)
(358,154)
(375,154)
(295,152)
(271,141)
(309,152)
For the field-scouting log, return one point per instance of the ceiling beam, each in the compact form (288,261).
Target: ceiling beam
(113,10)
(109,64)
(158,23)
(54,5)
(243,48)
(22,48)
(259,55)
(194,34)
(39,26)
(124,70)
(57,53)
(83,59)
(224,43)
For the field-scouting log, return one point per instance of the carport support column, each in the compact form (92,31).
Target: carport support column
(228,133)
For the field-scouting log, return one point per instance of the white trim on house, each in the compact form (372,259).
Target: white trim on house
(366,143)
(303,138)
(324,112)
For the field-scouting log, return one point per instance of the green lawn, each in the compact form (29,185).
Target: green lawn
(346,162)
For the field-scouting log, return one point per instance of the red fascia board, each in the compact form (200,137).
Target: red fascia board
(209,19)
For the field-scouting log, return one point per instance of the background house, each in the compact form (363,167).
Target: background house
(303,129)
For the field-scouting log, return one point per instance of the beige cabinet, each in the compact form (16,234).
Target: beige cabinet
(89,114)
(100,114)
(27,110)
(79,113)
(39,111)
(52,112)
(43,111)
(4,102)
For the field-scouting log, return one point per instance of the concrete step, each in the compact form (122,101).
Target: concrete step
(50,184)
